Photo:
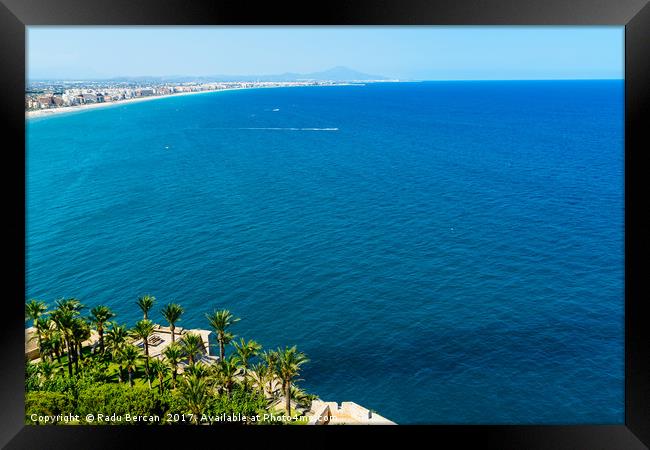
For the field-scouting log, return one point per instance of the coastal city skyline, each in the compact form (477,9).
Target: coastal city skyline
(405,53)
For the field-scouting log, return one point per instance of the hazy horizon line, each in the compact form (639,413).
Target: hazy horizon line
(388,79)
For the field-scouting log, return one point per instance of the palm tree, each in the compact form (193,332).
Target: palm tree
(50,336)
(246,351)
(194,391)
(301,397)
(34,309)
(159,368)
(270,358)
(64,319)
(228,370)
(44,327)
(80,332)
(173,355)
(56,338)
(46,349)
(198,370)
(220,321)
(99,316)
(172,314)
(69,304)
(46,369)
(129,356)
(258,375)
(288,368)
(192,344)
(144,330)
(146,303)
(116,338)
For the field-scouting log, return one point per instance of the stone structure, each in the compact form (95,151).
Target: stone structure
(349,413)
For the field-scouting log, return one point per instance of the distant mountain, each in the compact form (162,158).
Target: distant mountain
(338,73)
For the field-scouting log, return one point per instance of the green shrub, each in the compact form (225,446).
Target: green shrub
(32,380)
(120,400)
(95,369)
(240,402)
(43,403)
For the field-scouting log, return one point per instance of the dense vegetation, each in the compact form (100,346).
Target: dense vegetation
(117,381)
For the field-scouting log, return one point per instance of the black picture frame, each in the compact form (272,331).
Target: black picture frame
(15,15)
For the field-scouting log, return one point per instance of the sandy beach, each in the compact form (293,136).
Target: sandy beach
(79,108)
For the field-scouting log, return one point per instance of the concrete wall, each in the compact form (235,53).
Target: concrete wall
(355,411)
(31,344)
(349,413)
(320,413)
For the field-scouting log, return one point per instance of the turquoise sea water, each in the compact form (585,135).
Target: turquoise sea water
(444,252)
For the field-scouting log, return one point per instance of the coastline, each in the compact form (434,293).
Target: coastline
(70,109)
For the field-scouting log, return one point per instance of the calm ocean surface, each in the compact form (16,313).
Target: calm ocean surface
(452,252)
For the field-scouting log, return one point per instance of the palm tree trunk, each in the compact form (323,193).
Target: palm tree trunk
(69,358)
(119,373)
(130,378)
(288,398)
(101,339)
(174,377)
(222,350)
(76,361)
(172,328)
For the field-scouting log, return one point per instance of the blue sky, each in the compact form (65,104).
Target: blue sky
(418,52)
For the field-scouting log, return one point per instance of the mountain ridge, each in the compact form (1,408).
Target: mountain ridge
(337,73)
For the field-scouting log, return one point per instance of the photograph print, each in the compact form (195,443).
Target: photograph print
(326,225)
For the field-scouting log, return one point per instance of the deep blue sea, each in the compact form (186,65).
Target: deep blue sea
(444,252)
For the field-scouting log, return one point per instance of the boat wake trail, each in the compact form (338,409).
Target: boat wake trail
(287,129)
(268,128)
